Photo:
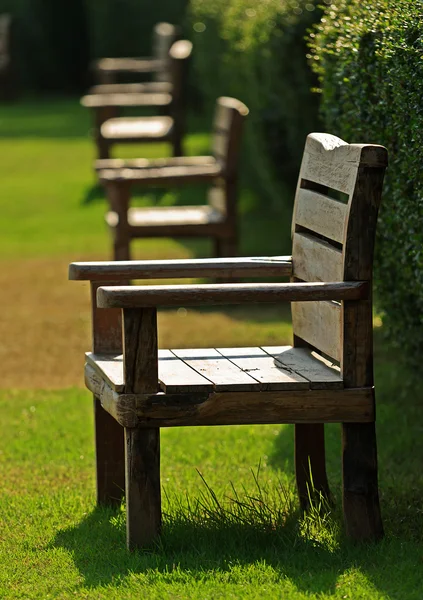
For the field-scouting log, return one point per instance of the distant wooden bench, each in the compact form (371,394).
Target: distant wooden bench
(326,376)
(217,219)
(108,70)
(111,129)
(8,90)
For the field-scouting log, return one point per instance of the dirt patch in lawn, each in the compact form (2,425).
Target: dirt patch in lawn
(45,325)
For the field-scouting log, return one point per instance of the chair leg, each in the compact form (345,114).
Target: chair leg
(103,148)
(360,482)
(110,457)
(121,249)
(143,499)
(225,248)
(310,464)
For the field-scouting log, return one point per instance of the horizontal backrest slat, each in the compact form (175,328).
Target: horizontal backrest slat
(315,259)
(321,214)
(334,174)
(319,324)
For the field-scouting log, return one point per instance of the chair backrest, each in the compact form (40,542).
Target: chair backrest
(164,35)
(227,130)
(333,230)
(5,34)
(179,56)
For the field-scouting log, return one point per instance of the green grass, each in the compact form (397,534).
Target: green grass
(247,542)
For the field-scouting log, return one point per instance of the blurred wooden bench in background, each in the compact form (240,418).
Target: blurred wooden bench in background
(217,219)
(111,70)
(169,97)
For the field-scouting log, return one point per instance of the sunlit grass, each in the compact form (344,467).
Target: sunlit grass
(231,528)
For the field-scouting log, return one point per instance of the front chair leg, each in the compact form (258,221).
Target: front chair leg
(110,457)
(310,463)
(360,482)
(143,497)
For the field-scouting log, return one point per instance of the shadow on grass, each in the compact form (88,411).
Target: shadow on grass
(197,552)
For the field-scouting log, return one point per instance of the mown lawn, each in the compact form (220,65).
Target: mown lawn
(247,542)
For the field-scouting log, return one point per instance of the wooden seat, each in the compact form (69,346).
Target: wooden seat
(106,100)
(108,70)
(326,375)
(217,219)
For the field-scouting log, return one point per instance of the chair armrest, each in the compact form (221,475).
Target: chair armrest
(126,99)
(243,293)
(276,266)
(166,174)
(130,65)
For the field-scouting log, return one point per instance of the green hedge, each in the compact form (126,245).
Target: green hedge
(256,51)
(56,39)
(369,57)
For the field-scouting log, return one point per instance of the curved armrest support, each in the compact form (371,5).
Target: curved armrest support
(244,293)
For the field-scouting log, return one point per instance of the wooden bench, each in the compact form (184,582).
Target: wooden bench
(8,89)
(217,219)
(326,376)
(108,70)
(111,129)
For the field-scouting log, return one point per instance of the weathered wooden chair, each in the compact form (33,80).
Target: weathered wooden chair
(8,90)
(111,129)
(217,219)
(325,377)
(108,70)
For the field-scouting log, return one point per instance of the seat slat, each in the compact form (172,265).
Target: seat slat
(264,368)
(317,212)
(319,324)
(175,376)
(320,372)
(223,373)
(316,260)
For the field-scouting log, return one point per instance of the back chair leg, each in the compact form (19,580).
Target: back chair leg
(110,457)
(143,496)
(310,463)
(360,482)
(225,248)
(121,249)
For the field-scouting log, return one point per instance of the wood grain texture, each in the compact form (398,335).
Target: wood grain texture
(221,372)
(315,260)
(320,325)
(272,266)
(321,214)
(109,367)
(122,407)
(238,408)
(268,372)
(180,295)
(318,371)
(177,377)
